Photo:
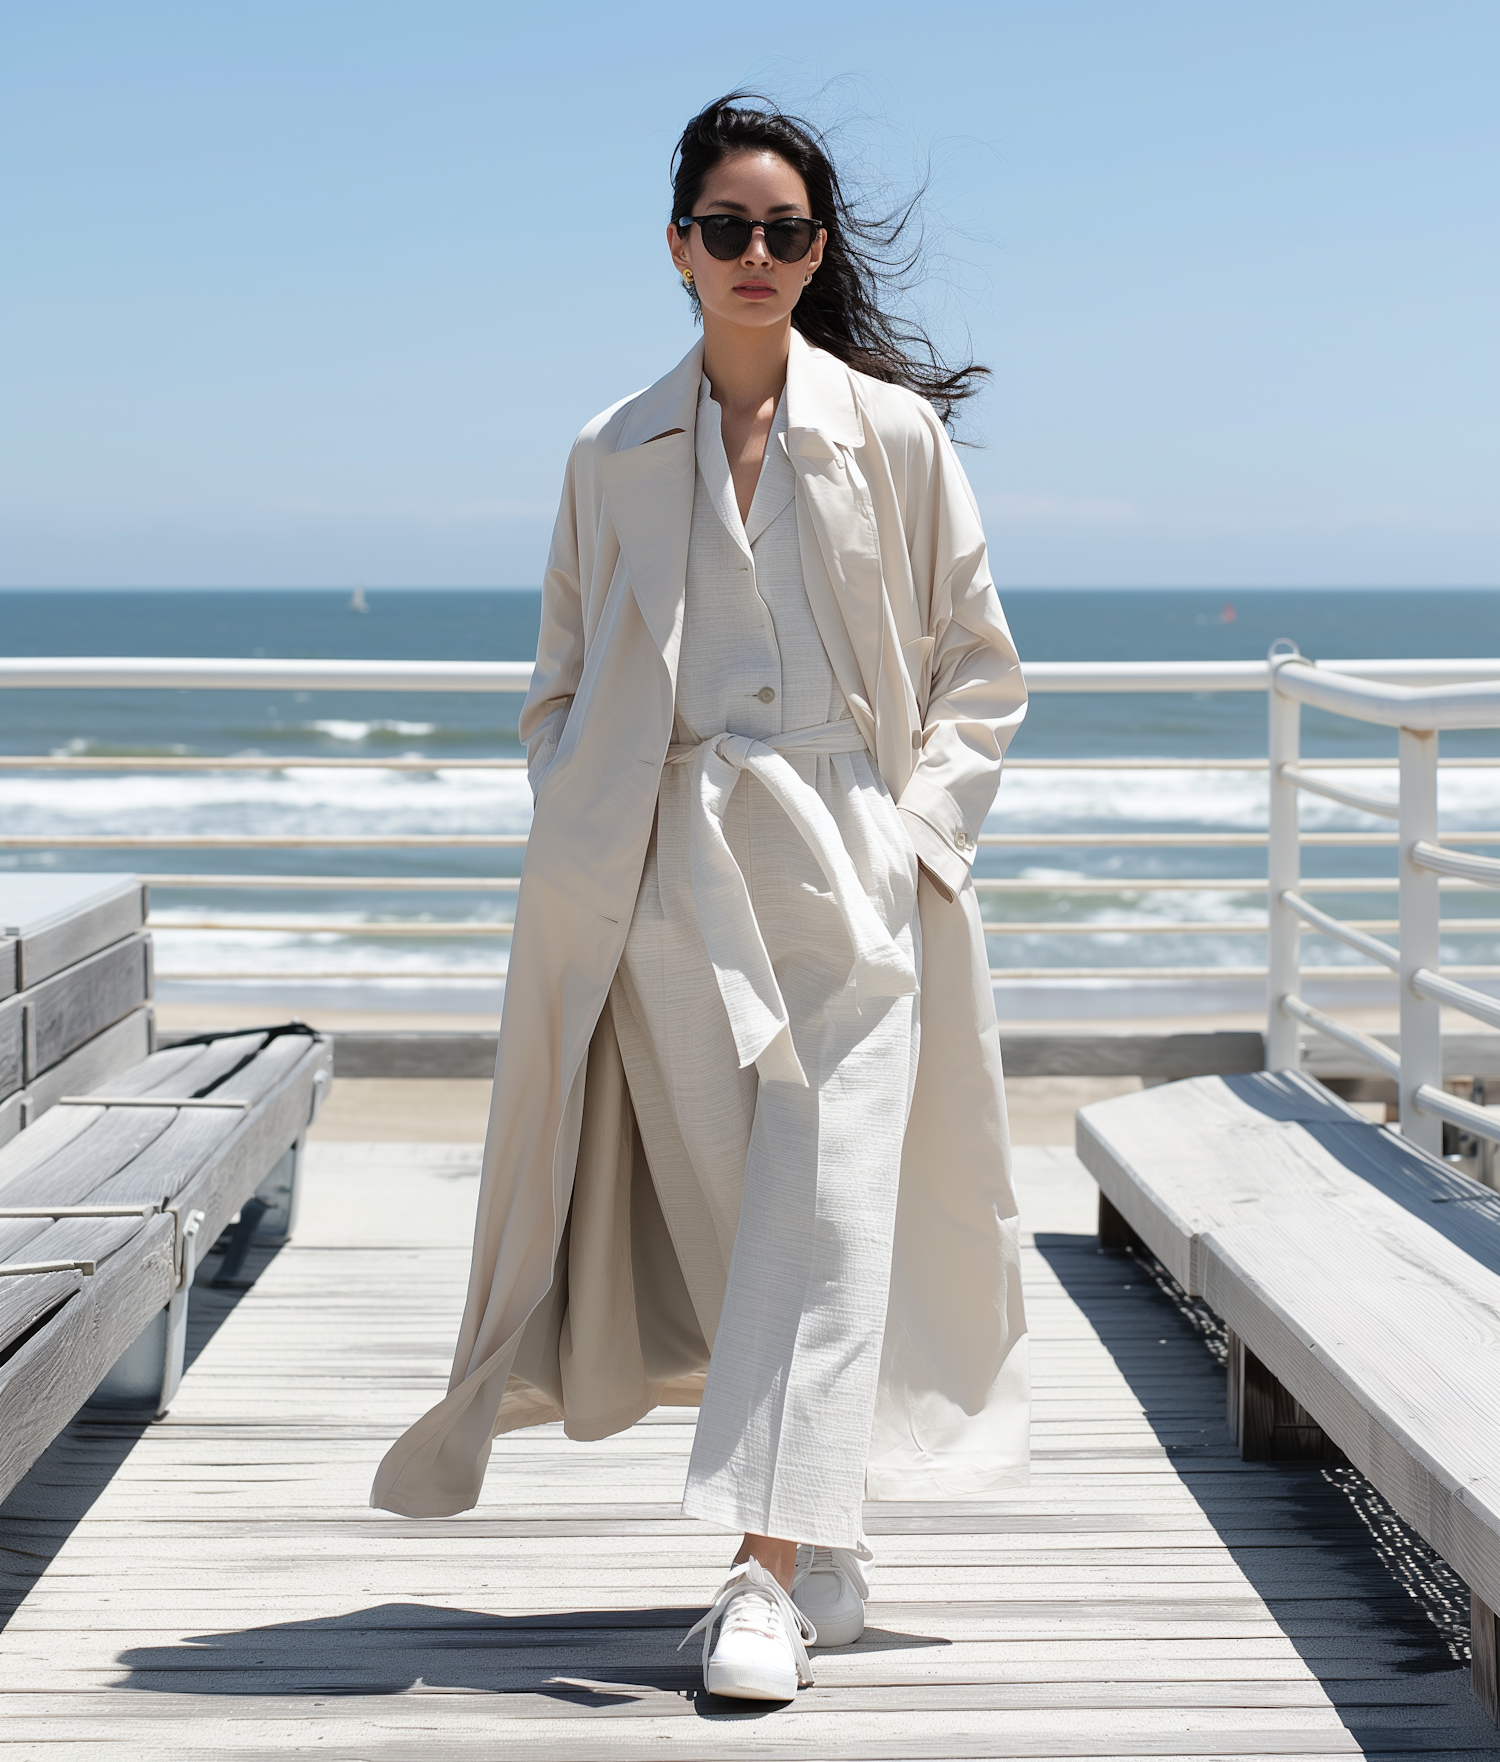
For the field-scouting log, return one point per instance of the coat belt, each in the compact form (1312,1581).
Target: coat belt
(747,983)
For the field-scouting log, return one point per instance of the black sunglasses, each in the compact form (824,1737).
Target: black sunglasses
(726,236)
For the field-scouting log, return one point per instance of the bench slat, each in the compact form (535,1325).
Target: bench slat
(69,1009)
(169,1162)
(116,1049)
(24,1301)
(109,1141)
(1206,1153)
(41,1141)
(66,1238)
(1215,1153)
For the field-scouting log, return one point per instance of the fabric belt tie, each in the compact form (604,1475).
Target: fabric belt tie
(747,983)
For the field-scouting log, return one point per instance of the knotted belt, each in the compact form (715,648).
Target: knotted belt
(747,983)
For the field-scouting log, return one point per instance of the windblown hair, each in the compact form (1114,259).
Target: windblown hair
(841,309)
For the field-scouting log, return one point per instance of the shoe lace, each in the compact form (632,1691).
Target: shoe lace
(750,1583)
(848,1563)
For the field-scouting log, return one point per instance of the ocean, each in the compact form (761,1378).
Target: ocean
(456,972)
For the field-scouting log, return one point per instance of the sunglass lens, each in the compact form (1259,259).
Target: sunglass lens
(789,240)
(724,235)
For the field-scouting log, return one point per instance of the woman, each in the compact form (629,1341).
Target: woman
(772,693)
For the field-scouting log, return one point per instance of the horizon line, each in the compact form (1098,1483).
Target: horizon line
(1008,588)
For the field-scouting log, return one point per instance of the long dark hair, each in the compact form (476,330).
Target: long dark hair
(841,309)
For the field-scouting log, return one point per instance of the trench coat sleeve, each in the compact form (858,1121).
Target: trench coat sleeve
(975,696)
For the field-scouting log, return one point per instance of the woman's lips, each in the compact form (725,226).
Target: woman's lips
(754,290)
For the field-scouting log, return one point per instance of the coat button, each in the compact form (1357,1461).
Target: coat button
(767,694)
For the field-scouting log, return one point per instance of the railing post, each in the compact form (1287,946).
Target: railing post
(1421,1017)
(1283,871)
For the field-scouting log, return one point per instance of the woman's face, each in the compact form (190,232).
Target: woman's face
(753,288)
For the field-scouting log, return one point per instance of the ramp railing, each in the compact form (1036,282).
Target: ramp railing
(1421,706)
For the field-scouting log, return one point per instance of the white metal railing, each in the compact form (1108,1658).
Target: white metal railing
(1421,706)
(172,673)
(1431,683)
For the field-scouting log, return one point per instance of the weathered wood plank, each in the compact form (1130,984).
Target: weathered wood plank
(58,920)
(12,1046)
(1147,1152)
(111,1140)
(304,1662)
(60,1366)
(12,1117)
(116,1049)
(78,1238)
(75,1005)
(583,1721)
(41,1141)
(1215,1153)
(167,1164)
(25,1301)
(160,1069)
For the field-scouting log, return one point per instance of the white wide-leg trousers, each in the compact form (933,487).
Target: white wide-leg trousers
(780,1195)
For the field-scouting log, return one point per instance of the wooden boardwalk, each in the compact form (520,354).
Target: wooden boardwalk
(216,1585)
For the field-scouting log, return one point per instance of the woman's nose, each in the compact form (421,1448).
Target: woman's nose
(757,251)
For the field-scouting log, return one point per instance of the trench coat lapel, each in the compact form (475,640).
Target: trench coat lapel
(843,576)
(648,492)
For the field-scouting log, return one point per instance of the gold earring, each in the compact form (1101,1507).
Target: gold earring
(687,278)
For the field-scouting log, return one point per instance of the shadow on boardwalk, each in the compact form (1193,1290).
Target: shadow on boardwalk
(1342,1576)
(394,1647)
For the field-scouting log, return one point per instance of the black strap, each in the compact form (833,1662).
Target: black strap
(278,1032)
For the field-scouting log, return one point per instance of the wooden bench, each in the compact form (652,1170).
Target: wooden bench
(1359,1278)
(105,1204)
(75,987)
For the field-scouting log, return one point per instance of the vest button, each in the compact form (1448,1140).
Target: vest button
(767,694)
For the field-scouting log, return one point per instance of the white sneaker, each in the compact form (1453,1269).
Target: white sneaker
(830,1588)
(760,1653)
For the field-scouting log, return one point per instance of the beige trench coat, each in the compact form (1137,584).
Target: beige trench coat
(577,1307)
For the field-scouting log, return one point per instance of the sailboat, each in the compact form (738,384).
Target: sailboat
(358,602)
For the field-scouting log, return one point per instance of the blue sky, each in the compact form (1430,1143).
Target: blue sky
(318,293)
